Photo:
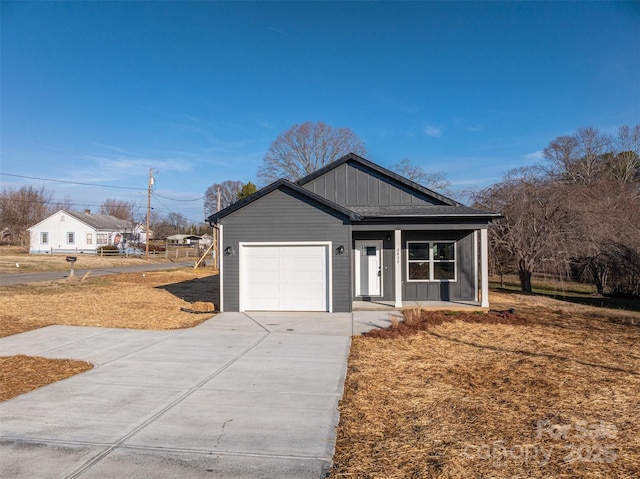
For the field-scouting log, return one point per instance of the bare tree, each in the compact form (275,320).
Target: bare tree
(623,164)
(305,148)
(579,158)
(178,221)
(581,215)
(22,208)
(606,226)
(125,210)
(535,223)
(229,190)
(436,180)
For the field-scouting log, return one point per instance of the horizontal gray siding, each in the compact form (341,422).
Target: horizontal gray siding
(283,216)
(462,290)
(353,185)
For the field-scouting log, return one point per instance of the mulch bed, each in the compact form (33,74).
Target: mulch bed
(545,391)
(416,320)
(20,374)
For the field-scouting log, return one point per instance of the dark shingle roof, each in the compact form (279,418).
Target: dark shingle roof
(419,211)
(101,222)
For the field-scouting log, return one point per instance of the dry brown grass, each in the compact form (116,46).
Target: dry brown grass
(12,262)
(34,372)
(555,392)
(135,300)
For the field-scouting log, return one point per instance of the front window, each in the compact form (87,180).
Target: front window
(89,238)
(102,238)
(71,238)
(431,261)
(44,238)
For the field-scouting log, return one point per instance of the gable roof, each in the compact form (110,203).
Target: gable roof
(283,184)
(353,158)
(97,222)
(447,209)
(100,222)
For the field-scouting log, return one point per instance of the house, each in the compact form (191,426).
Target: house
(73,232)
(140,234)
(183,240)
(351,231)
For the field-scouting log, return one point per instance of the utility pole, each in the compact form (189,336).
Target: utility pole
(146,235)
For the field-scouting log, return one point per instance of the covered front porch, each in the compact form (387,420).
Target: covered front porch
(428,265)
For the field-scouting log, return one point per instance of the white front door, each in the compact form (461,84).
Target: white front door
(368,268)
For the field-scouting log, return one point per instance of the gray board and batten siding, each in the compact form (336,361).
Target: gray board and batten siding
(350,184)
(284,215)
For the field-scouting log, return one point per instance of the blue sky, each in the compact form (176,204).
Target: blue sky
(99,92)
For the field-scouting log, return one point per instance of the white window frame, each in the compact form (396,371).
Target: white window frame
(44,237)
(71,237)
(90,238)
(432,262)
(102,238)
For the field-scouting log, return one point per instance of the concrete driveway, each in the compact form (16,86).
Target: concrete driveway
(240,396)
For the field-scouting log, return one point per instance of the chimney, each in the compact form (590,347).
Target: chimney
(87,212)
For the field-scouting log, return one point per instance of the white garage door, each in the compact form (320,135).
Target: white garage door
(284,278)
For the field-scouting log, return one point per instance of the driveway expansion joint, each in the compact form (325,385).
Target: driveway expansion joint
(97,458)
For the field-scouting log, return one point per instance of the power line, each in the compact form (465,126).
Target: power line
(74,182)
(166,208)
(175,199)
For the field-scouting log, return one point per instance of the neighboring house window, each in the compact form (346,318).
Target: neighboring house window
(89,238)
(44,238)
(431,261)
(102,238)
(71,238)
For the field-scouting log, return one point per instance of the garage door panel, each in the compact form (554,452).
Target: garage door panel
(316,277)
(284,278)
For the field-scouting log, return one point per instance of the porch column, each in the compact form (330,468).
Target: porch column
(397,251)
(484,267)
(476,267)
(220,268)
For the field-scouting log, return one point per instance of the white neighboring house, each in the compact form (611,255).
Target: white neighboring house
(140,234)
(73,232)
(189,240)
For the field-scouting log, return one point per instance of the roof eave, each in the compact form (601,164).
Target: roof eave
(438,216)
(212,219)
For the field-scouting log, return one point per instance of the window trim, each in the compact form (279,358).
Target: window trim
(71,235)
(433,261)
(90,238)
(44,237)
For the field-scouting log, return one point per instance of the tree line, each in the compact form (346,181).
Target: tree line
(576,215)
(23,207)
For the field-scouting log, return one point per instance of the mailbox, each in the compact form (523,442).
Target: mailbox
(71,259)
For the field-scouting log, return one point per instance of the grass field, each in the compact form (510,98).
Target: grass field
(12,261)
(579,293)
